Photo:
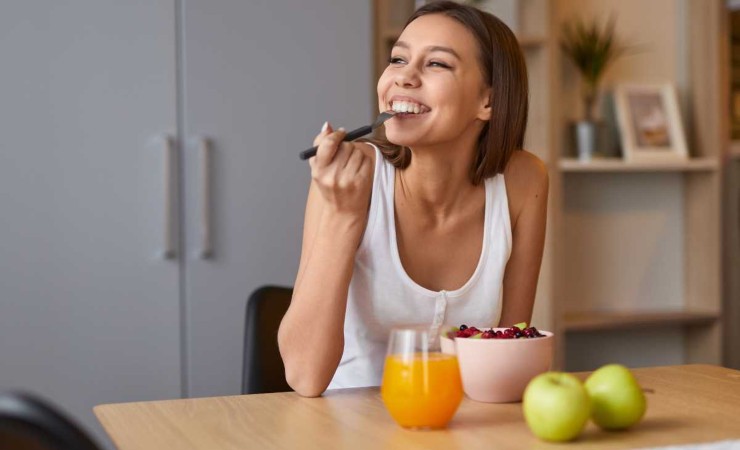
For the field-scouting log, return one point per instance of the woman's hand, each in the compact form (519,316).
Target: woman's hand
(342,172)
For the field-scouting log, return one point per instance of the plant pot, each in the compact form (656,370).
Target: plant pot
(585,134)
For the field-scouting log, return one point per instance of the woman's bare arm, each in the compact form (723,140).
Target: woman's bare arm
(311,335)
(527,186)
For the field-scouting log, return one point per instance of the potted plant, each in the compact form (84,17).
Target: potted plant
(592,49)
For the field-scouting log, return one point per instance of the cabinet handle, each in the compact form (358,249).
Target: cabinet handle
(169,251)
(206,163)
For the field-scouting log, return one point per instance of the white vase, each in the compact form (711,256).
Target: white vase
(585,139)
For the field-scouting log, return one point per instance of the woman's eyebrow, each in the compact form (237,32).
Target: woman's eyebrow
(431,48)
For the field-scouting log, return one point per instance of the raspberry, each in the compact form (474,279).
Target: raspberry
(489,334)
(532,332)
(468,332)
(509,334)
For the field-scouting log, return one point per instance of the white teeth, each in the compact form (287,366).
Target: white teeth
(407,107)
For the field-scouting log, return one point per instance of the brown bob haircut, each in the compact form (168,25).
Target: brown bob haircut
(505,71)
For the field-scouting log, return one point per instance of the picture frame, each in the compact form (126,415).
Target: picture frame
(649,122)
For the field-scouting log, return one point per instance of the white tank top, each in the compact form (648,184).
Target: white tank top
(382,295)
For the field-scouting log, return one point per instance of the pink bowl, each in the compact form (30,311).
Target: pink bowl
(498,370)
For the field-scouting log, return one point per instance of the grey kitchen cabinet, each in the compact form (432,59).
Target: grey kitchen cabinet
(126,255)
(89,307)
(260,78)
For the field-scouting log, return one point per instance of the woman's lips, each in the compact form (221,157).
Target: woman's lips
(408,116)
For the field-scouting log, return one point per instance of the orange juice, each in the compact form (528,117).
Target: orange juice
(421,390)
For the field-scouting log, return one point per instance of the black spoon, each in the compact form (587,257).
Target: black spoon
(354,134)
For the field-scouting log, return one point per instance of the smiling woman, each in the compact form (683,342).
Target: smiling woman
(481,64)
(443,222)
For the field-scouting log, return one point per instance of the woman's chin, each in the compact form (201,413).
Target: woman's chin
(402,139)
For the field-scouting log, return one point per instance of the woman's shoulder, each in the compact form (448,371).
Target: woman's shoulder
(524,168)
(526,179)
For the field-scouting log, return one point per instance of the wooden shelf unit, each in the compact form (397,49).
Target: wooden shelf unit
(620,165)
(532,42)
(616,233)
(391,35)
(734,150)
(603,321)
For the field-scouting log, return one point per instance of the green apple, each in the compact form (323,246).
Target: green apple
(556,406)
(617,399)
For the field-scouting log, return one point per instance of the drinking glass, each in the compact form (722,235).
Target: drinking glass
(421,386)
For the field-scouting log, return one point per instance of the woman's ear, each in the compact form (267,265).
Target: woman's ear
(484,112)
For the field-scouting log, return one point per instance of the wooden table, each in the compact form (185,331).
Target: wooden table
(686,404)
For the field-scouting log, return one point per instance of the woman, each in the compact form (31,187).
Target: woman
(445,223)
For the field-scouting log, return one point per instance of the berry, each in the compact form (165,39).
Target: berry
(532,332)
(509,334)
(513,332)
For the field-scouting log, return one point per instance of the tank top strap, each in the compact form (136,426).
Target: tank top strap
(499,210)
(379,195)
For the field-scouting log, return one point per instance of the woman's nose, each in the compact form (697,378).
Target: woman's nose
(407,77)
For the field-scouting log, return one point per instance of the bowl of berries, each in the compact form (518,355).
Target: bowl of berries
(496,364)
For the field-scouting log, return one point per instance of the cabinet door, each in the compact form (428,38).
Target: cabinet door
(260,78)
(89,308)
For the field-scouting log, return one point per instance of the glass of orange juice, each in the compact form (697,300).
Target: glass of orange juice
(421,386)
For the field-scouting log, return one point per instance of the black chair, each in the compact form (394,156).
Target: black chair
(263,369)
(27,422)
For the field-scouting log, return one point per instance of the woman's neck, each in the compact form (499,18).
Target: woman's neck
(436,184)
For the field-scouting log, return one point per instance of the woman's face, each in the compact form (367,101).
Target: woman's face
(434,73)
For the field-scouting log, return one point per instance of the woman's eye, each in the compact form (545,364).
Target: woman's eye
(395,60)
(438,64)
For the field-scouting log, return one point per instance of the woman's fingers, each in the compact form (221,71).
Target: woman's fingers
(366,168)
(328,148)
(325,131)
(354,162)
(343,154)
